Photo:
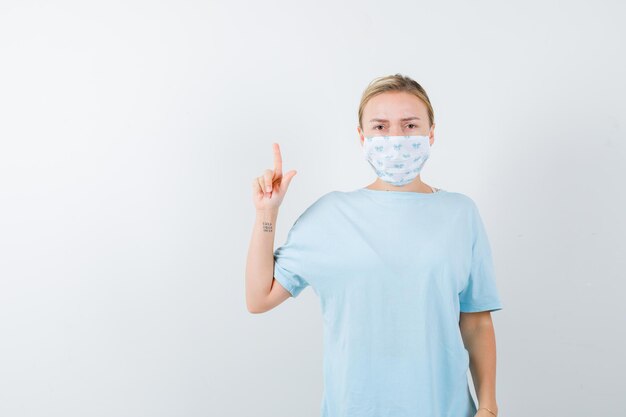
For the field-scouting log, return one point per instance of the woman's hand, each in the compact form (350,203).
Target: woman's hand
(269,189)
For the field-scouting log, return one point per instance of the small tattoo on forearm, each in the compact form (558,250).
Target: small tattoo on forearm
(267,226)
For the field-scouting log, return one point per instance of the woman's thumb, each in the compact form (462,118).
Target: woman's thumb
(287,178)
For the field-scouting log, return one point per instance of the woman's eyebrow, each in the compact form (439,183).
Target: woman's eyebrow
(402,120)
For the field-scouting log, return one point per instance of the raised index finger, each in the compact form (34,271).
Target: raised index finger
(278,162)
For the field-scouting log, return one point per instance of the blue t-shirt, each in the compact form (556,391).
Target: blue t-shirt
(392,270)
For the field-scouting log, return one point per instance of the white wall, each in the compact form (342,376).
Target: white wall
(129,135)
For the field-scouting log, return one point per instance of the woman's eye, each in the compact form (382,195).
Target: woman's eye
(411,124)
(376,127)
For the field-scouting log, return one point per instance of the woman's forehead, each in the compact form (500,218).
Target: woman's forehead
(394,106)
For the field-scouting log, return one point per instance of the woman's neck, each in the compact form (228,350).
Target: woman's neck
(416,186)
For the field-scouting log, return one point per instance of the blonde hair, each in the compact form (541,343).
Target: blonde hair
(396,82)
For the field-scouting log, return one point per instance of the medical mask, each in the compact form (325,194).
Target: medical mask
(396,159)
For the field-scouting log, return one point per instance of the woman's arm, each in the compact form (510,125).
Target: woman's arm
(268,191)
(261,293)
(480,341)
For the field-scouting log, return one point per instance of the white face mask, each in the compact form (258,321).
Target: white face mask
(396,159)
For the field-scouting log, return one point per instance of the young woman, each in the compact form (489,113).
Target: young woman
(403,272)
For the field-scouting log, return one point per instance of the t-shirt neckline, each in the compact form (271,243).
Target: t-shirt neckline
(402,194)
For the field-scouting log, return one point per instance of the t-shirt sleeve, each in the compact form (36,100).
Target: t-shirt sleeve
(289,261)
(481,292)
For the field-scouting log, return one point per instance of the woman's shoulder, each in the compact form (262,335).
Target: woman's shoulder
(319,205)
(460,197)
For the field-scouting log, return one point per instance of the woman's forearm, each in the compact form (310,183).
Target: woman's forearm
(260,261)
(480,341)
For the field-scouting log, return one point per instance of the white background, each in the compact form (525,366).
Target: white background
(131,132)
